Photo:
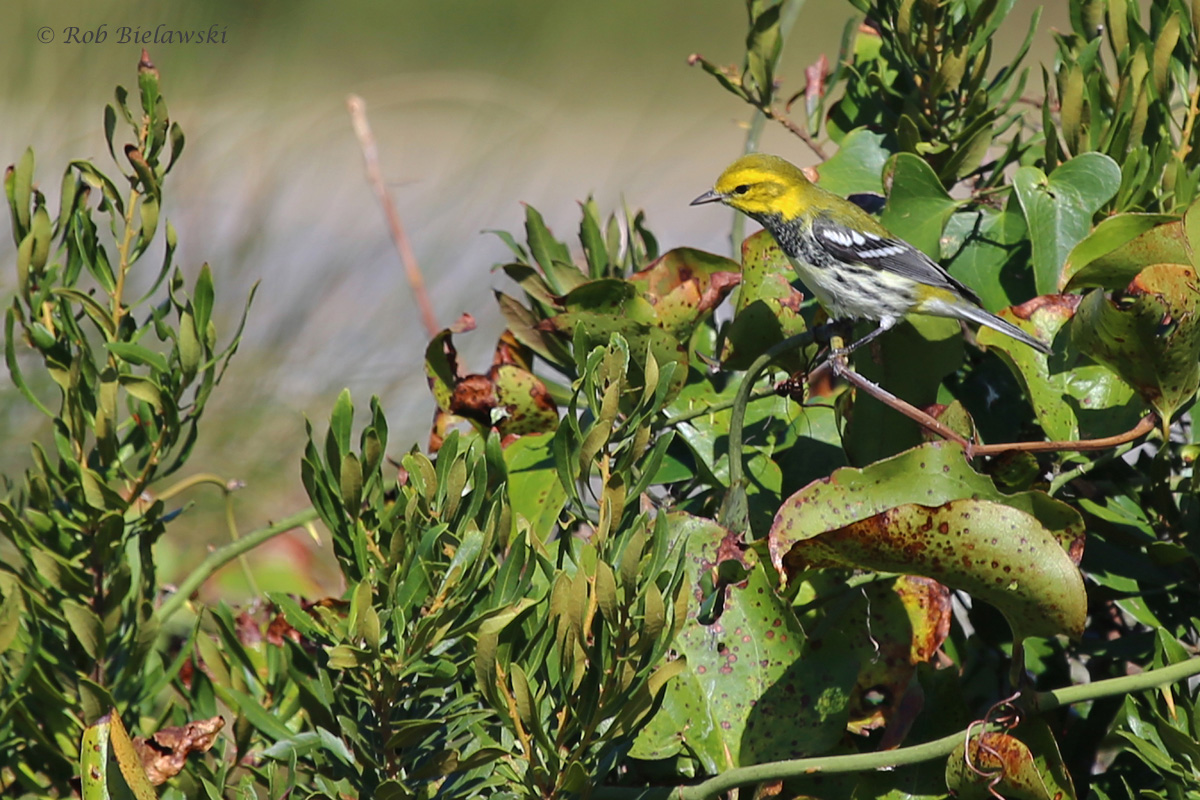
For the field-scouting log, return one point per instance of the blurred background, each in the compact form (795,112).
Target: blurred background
(477,106)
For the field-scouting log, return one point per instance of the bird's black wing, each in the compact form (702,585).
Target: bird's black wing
(884,253)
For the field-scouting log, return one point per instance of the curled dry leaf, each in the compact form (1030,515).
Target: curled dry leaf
(163,755)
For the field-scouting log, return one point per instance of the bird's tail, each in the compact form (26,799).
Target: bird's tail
(979,315)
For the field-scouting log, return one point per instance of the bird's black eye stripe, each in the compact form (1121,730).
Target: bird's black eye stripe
(741,189)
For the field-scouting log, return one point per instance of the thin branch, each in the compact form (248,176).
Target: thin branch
(973,449)
(223,555)
(804,135)
(903,756)
(1145,426)
(366,140)
(904,407)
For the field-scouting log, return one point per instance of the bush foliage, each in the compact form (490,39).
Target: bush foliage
(629,564)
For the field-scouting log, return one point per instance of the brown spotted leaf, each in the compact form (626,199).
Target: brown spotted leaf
(1028,768)
(930,475)
(767,310)
(509,397)
(685,284)
(1073,396)
(996,553)
(1149,334)
(753,691)
(600,308)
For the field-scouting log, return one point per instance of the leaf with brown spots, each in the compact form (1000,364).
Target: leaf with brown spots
(930,475)
(767,310)
(753,690)
(509,398)
(1029,768)
(1149,335)
(996,553)
(684,285)
(908,619)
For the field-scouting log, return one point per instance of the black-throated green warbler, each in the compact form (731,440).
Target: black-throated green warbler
(855,267)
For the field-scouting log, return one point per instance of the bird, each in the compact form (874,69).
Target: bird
(856,268)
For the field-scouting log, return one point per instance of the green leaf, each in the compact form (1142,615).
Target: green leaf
(550,254)
(202,298)
(988,251)
(918,206)
(763,46)
(534,487)
(1121,246)
(191,352)
(137,354)
(143,389)
(86,626)
(1059,209)
(94,759)
(340,422)
(995,552)
(1149,335)
(767,309)
(1072,396)
(19,188)
(351,485)
(736,702)
(930,475)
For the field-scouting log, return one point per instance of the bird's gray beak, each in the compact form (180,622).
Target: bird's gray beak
(711,196)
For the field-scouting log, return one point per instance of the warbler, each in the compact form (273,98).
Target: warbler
(855,267)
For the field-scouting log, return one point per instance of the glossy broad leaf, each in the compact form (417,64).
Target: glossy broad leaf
(752,692)
(1072,396)
(918,206)
(995,552)
(1059,209)
(1149,335)
(767,309)
(857,166)
(989,252)
(1122,246)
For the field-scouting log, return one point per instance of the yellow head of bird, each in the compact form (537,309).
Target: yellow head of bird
(760,185)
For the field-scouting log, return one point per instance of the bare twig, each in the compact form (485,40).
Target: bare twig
(362,129)
(804,135)
(973,449)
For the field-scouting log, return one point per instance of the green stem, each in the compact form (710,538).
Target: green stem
(888,759)
(733,511)
(1063,478)
(222,556)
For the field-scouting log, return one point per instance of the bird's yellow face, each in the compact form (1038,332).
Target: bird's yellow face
(760,185)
